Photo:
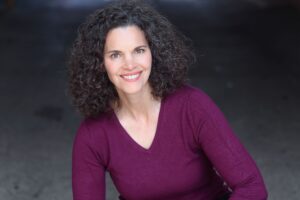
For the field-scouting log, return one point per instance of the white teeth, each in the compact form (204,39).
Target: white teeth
(131,76)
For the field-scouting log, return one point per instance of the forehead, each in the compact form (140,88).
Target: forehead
(125,37)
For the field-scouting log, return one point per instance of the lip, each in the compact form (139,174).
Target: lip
(130,74)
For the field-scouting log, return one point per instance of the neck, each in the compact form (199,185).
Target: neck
(138,106)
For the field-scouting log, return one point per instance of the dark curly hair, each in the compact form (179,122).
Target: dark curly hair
(90,87)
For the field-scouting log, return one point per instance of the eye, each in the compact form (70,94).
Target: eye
(140,51)
(115,55)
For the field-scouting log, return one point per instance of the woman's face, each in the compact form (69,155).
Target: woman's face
(127,59)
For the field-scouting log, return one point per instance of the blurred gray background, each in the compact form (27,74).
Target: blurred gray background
(249,63)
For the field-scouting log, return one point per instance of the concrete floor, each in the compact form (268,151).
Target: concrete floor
(249,63)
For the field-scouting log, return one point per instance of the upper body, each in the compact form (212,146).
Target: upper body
(193,152)
(156,136)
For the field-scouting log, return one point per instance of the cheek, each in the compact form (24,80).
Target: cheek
(148,60)
(109,70)
(109,66)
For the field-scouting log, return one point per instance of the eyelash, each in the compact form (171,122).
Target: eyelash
(117,55)
(140,51)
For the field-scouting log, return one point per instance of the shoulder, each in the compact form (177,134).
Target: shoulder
(187,90)
(91,137)
(97,123)
(92,129)
(193,101)
(191,95)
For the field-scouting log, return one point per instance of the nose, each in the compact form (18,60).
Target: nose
(129,62)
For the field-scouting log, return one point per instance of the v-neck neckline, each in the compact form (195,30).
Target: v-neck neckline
(155,138)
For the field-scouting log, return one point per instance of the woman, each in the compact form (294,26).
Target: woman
(158,138)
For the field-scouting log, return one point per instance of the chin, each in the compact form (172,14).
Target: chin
(133,89)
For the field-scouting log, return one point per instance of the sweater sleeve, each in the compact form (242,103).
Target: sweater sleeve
(228,156)
(88,172)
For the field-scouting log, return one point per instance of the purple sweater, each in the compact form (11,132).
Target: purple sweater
(194,156)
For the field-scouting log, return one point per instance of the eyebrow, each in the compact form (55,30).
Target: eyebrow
(117,51)
(112,51)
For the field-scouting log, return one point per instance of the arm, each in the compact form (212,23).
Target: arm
(88,173)
(226,153)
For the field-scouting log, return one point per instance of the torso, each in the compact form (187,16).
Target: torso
(142,132)
(165,162)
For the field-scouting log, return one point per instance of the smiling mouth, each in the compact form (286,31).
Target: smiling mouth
(131,77)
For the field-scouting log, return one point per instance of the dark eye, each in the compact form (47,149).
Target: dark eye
(140,51)
(115,55)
